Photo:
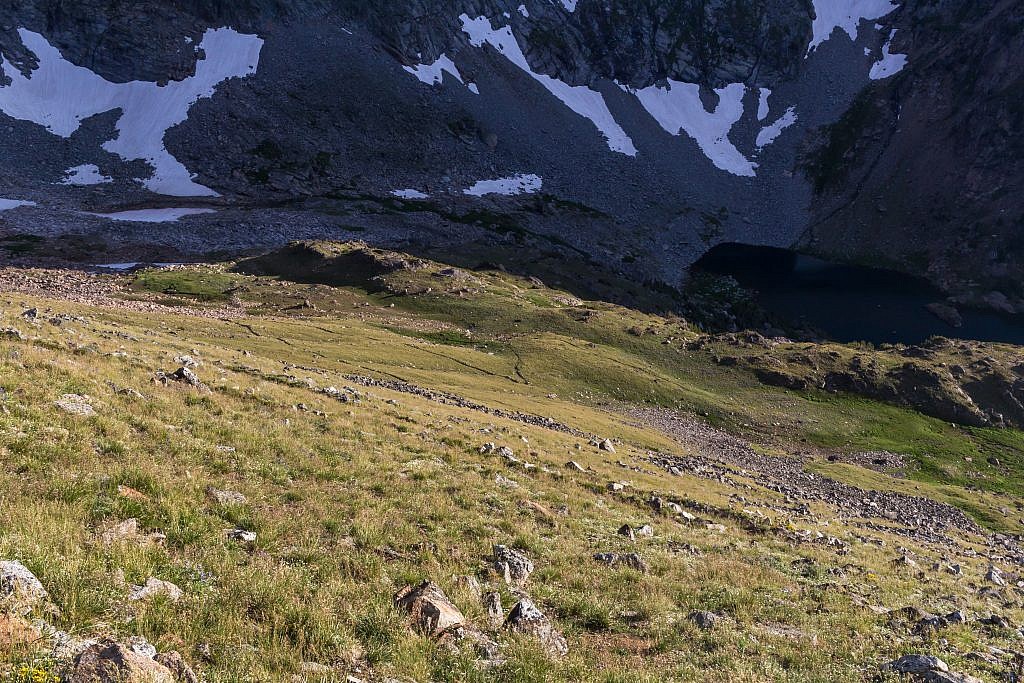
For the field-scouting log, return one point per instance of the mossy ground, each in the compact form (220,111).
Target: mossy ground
(352,501)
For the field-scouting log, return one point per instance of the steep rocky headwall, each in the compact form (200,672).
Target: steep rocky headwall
(655,129)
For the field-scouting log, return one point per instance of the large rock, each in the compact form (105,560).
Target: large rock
(110,662)
(431,611)
(20,590)
(528,619)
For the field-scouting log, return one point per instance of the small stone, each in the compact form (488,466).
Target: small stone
(606,445)
(241,535)
(186,376)
(128,532)
(627,531)
(512,565)
(957,617)
(634,561)
(526,618)
(131,494)
(76,405)
(156,588)
(916,664)
(225,497)
(995,575)
(575,466)
(703,619)
(492,604)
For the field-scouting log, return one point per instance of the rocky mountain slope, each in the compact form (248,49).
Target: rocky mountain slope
(405,471)
(634,135)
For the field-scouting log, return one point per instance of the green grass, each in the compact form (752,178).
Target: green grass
(351,501)
(205,284)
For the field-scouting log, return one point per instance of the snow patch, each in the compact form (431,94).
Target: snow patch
(768,134)
(410,194)
(586,102)
(678,108)
(517,184)
(134,264)
(890,64)
(86,174)
(153,215)
(433,74)
(8,204)
(60,95)
(762,103)
(570,5)
(846,15)
(525,12)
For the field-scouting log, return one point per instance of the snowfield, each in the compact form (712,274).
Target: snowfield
(890,64)
(8,204)
(678,109)
(60,95)
(517,184)
(86,174)
(153,215)
(769,133)
(433,74)
(587,103)
(846,15)
(410,194)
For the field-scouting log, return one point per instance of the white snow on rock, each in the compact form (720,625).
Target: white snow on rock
(133,264)
(60,95)
(678,108)
(433,74)
(846,15)
(768,134)
(7,204)
(153,215)
(86,174)
(762,103)
(517,184)
(581,99)
(410,194)
(890,64)
(525,12)
(570,5)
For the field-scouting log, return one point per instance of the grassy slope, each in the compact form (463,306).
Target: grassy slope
(351,505)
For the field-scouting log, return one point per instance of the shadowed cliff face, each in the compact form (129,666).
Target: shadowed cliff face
(636,42)
(925,172)
(656,129)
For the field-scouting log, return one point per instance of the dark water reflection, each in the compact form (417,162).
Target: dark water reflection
(852,303)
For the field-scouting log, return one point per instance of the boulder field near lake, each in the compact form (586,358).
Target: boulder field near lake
(515,342)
